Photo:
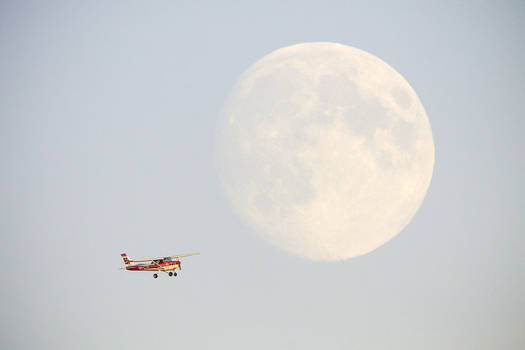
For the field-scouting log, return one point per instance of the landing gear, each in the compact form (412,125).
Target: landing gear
(155,275)
(175,274)
(170,273)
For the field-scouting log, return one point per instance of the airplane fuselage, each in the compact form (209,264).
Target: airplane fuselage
(163,266)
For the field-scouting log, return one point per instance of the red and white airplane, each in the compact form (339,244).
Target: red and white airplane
(167,264)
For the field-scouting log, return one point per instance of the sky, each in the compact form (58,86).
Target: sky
(108,114)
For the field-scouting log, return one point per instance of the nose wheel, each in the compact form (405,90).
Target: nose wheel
(155,275)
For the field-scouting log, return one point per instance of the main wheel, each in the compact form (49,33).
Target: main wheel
(155,275)
(170,273)
(175,274)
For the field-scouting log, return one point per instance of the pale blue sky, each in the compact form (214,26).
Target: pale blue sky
(107,124)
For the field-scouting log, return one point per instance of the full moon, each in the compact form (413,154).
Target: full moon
(324,150)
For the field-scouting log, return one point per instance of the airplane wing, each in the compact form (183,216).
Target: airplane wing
(146,260)
(173,257)
(182,256)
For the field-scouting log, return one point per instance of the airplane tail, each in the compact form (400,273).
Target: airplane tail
(126,260)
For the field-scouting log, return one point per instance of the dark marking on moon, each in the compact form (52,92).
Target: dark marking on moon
(401,97)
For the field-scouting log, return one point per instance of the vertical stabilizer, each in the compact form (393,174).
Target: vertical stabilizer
(126,260)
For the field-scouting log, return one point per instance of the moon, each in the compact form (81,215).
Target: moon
(324,150)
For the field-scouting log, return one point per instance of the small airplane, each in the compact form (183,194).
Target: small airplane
(167,264)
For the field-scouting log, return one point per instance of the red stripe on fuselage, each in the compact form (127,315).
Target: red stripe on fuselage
(171,265)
